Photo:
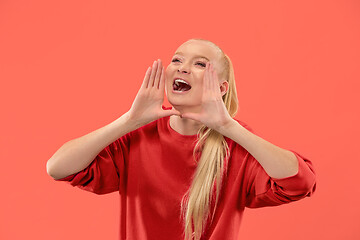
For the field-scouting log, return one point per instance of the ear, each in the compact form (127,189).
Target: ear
(224,87)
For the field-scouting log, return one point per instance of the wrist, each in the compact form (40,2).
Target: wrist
(130,121)
(226,126)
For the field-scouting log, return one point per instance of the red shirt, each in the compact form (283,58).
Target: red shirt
(151,168)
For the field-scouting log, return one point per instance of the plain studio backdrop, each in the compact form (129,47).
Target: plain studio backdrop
(70,67)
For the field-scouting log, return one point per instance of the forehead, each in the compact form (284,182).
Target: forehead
(199,48)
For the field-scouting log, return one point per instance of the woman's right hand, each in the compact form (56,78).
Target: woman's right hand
(147,106)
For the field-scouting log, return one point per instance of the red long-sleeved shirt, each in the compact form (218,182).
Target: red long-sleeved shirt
(151,168)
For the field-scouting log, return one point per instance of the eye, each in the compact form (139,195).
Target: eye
(175,60)
(201,64)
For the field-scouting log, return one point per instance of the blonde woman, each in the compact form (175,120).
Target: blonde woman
(189,171)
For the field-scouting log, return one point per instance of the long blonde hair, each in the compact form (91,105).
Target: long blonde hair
(196,203)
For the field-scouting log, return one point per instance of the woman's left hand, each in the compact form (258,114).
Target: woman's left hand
(213,112)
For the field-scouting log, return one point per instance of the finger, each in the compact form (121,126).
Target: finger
(158,74)
(215,80)
(162,80)
(212,78)
(206,77)
(146,78)
(216,83)
(152,75)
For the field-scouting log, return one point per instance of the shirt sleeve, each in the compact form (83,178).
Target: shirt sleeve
(263,190)
(106,172)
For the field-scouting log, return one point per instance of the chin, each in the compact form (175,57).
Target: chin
(183,101)
(183,107)
(176,104)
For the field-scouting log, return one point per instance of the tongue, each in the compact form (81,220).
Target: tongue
(181,87)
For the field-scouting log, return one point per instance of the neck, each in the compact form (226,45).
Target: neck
(184,126)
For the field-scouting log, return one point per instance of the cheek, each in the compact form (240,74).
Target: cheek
(200,78)
(168,73)
(167,78)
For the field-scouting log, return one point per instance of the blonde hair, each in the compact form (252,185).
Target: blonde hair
(197,201)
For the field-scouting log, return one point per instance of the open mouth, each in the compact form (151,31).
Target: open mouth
(180,85)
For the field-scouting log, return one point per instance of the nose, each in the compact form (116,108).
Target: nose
(183,69)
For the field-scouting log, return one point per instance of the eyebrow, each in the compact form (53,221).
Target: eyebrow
(197,56)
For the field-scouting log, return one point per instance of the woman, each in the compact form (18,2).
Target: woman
(189,171)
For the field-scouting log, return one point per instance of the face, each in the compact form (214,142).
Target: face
(189,64)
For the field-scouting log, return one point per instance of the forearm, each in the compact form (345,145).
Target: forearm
(277,162)
(75,155)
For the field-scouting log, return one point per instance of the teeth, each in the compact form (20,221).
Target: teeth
(180,80)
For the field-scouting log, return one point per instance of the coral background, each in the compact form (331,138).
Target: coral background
(70,67)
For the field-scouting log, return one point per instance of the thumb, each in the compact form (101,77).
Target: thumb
(166,113)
